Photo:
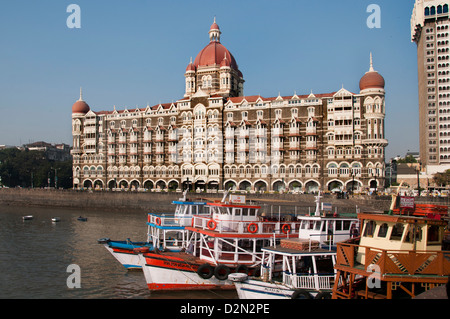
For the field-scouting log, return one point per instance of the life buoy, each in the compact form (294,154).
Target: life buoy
(205,271)
(221,272)
(158,221)
(242,269)
(211,224)
(286,228)
(252,228)
(301,294)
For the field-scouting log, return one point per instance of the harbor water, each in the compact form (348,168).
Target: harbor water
(37,256)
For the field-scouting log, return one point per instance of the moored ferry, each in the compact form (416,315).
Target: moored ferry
(164,232)
(300,267)
(397,256)
(230,240)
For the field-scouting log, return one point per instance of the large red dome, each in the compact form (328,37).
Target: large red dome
(214,53)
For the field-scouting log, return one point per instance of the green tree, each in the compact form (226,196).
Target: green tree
(32,168)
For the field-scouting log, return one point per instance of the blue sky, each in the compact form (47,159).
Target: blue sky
(130,53)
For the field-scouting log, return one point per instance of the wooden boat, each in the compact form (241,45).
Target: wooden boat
(82,219)
(230,240)
(397,256)
(164,232)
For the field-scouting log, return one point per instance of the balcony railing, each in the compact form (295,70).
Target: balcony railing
(248,227)
(395,262)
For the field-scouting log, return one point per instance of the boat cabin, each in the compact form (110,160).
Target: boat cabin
(399,232)
(328,229)
(184,211)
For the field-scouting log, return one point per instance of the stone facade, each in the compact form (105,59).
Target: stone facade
(216,138)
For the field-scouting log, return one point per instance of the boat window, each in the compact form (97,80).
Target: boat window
(245,211)
(369,228)
(224,210)
(347,224)
(414,233)
(397,231)
(339,225)
(304,265)
(318,225)
(237,211)
(252,212)
(304,224)
(433,234)
(324,265)
(382,231)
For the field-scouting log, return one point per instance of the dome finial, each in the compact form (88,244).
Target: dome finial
(214,32)
(81,94)
(371,63)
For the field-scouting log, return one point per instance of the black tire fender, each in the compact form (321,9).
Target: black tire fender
(221,272)
(205,271)
(301,294)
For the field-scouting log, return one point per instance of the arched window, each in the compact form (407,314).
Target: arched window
(433,10)
(427,11)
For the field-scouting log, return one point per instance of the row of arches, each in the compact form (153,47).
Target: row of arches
(279,185)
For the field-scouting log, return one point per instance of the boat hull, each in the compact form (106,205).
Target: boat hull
(127,257)
(255,289)
(259,289)
(172,273)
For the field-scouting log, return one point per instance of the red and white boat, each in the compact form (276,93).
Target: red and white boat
(229,241)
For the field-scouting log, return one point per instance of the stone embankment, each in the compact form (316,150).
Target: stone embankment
(160,202)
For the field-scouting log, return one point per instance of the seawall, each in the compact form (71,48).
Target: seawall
(160,202)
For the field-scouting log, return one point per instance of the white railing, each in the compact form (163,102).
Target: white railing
(247,227)
(309,281)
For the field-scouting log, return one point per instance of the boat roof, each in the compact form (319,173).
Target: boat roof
(179,202)
(297,252)
(306,217)
(222,204)
(402,218)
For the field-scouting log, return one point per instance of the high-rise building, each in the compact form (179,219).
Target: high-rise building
(430,31)
(216,138)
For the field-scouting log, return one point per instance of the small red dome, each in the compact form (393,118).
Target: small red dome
(371,80)
(225,62)
(214,53)
(190,67)
(214,26)
(80,106)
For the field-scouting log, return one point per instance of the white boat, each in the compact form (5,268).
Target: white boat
(28,217)
(164,232)
(231,240)
(55,219)
(289,273)
(301,267)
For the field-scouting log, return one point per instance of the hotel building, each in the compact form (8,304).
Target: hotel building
(216,138)
(430,31)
